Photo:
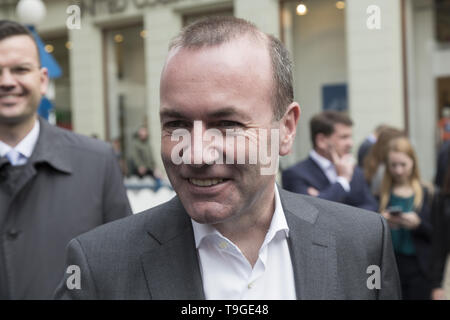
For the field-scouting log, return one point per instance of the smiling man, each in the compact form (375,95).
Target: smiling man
(231,232)
(54,185)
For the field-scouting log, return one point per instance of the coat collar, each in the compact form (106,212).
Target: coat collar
(47,149)
(172,267)
(312,248)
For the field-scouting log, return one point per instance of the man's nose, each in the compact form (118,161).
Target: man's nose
(202,152)
(7,80)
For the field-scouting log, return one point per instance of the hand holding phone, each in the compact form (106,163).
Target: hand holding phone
(394,211)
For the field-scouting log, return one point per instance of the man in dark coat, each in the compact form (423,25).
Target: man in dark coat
(330,172)
(54,185)
(442,163)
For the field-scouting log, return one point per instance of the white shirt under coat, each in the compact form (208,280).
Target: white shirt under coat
(20,154)
(228,275)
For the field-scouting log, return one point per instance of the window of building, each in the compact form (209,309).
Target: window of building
(125,83)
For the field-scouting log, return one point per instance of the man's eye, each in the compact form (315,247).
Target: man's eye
(20,70)
(177,124)
(228,124)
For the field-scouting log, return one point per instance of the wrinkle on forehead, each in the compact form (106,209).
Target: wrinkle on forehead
(229,61)
(260,40)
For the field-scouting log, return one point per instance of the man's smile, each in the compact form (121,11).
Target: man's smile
(206,182)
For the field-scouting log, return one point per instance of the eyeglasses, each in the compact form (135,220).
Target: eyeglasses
(20,70)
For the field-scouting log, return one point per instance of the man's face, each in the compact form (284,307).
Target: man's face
(341,139)
(225,87)
(22,82)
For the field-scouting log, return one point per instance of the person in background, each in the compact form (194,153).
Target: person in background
(368,143)
(117,146)
(441,238)
(329,172)
(54,184)
(406,204)
(444,125)
(373,165)
(142,160)
(442,163)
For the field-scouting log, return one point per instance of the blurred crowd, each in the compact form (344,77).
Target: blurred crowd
(385,178)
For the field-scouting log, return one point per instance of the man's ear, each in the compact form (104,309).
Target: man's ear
(44,80)
(288,128)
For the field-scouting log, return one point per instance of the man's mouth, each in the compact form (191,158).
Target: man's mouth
(206,182)
(10,97)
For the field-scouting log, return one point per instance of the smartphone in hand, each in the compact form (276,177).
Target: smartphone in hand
(394,211)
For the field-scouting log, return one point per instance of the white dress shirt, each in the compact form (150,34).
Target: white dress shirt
(227,274)
(330,170)
(22,152)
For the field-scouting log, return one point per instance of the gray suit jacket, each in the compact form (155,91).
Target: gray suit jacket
(152,255)
(70,185)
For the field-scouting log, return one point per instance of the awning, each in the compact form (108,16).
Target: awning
(47,60)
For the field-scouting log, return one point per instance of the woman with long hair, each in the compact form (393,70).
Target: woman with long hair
(441,237)
(373,164)
(406,205)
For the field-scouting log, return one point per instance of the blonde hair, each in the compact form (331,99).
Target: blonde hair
(378,152)
(403,145)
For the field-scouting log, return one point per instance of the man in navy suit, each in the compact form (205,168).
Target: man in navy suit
(443,158)
(330,172)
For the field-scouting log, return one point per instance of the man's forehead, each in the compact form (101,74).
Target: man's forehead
(236,61)
(342,129)
(243,45)
(19,47)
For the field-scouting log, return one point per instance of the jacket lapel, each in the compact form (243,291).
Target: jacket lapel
(172,270)
(171,267)
(312,248)
(318,176)
(47,149)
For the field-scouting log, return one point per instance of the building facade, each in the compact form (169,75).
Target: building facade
(381,60)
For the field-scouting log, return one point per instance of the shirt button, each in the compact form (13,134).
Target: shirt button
(223,245)
(250,285)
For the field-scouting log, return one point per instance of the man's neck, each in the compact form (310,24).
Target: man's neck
(12,134)
(249,230)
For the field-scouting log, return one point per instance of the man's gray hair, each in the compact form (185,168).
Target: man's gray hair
(213,31)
